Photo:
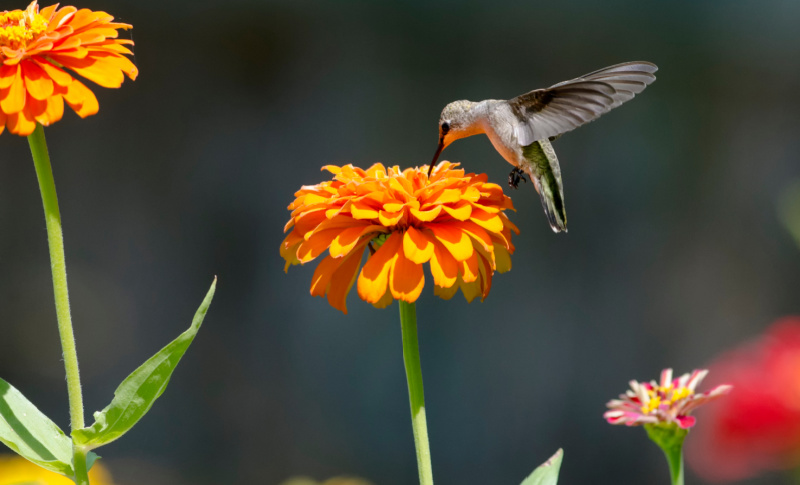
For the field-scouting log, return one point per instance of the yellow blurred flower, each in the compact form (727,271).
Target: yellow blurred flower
(15,470)
(330,481)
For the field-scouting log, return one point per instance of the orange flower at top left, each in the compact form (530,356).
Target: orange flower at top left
(36,47)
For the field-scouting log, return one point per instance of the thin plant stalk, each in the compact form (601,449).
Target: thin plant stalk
(55,240)
(416,396)
(670,439)
(675,461)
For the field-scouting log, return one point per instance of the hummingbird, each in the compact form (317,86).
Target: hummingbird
(522,128)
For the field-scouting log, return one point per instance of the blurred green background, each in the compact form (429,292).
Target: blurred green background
(675,250)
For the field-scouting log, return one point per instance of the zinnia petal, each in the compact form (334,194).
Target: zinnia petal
(374,277)
(416,246)
(455,240)
(343,279)
(444,266)
(81,99)
(347,239)
(12,98)
(406,278)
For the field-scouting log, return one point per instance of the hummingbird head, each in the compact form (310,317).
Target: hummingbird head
(456,121)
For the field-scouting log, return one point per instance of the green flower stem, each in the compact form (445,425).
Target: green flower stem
(55,240)
(79,463)
(670,439)
(408,322)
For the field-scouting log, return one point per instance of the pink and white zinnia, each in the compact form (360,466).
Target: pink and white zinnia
(670,401)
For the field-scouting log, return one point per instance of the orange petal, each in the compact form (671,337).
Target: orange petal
(81,99)
(471,290)
(360,210)
(427,215)
(385,300)
(390,218)
(323,274)
(343,279)
(316,244)
(54,111)
(12,98)
(469,268)
(48,11)
(406,279)
(374,276)
(509,225)
(446,196)
(62,16)
(416,246)
(21,123)
(490,222)
(85,17)
(292,240)
(96,69)
(454,239)
(444,267)
(347,239)
(502,259)
(60,77)
(476,232)
(2,122)
(110,60)
(486,273)
(445,293)
(307,221)
(7,75)
(35,107)
(460,211)
(37,82)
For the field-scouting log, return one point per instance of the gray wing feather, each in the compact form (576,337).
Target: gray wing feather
(546,113)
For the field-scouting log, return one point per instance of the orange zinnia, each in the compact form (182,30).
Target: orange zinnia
(35,47)
(455,221)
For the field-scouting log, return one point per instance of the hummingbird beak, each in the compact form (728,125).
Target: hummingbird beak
(436,155)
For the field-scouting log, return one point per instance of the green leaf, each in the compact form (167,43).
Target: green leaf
(547,473)
(135,396)
(31,434)
(91,457)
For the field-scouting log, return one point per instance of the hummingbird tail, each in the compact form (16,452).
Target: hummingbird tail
(547,179)
(553,204)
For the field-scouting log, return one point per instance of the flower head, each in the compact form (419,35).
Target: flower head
(455,221)
(758,427)
(35,49)
(15,470)
(669,401)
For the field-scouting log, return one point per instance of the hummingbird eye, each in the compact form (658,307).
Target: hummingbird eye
(445,127)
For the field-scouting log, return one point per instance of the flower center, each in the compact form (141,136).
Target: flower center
(18,27)
(668,395)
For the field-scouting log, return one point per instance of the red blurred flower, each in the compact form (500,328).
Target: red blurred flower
(757,427)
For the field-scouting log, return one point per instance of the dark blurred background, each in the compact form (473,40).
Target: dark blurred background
(675,250)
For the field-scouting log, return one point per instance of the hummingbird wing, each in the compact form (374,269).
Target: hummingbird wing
(545,113)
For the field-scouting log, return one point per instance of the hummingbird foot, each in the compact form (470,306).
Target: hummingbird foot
(515,176)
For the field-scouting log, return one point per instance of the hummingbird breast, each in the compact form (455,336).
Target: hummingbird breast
(499,127)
